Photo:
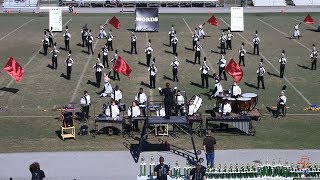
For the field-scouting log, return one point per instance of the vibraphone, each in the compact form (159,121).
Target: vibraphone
(243,123)
(104,121)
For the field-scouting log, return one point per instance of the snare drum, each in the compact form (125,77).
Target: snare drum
(253,101)
(243,104)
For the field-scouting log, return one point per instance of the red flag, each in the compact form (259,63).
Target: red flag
(234,70)
(308,19)
(213,21)
(122,67)
(114,22)
(14,69)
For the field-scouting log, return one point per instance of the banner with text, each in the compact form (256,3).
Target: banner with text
(147,19)
(55,19)
(237,19)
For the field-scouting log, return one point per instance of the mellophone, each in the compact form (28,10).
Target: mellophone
(246,102)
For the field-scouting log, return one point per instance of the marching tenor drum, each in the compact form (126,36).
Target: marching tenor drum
(253,101)
(244,104)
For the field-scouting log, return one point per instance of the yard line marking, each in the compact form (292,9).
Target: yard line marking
(304,23)
(83,71)
(16,29)
(283,33)
(30,60)
(211,67)
(276,69)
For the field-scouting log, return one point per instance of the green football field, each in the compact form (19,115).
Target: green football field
(29,124)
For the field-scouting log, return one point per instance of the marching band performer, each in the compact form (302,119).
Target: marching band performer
(50,37)
(242,52)
(45,44)
(90,40)
(133,38)
(229,39)
(174,41)
(67,37)
(116,95)
(148,52)
(85,105)
(133,112)
(171,33)
(256,42)
(222,40)
(105,56)
(197,54)
(98,71)
(175,65)
(201,31)
(152,75)
(235,90)
(84,36)
(54,58)
(225,108)
(222,64)
(179,99)
(112,110)
(109,41)
(314,56)
(141,99)
(69,62)
(107,88)
(281,104)
(113,60)
(296,33)
(260,73)
(204,73)
(195,39)
(282,62)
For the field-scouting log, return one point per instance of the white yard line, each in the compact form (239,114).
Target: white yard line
(16,29)
(276,69)
(283,33)
(83,71)
(205,55)
(304,23)
(30,60)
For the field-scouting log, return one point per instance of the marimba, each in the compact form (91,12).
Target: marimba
(111,122)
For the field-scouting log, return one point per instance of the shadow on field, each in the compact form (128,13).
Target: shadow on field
(190,49)
(167,78)
(168,45)
(216,52)
(125,51)
(11,90)
(79,44)
(143,64)
(50,66)
(92,83)
(250,85)
(273,111)
(314,30)
(272,74)
(303,67)
(58,133)
(195,84)
(64,76)
(169,52)
(144,84)
(188,61)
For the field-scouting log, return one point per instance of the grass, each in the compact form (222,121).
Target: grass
(43,89)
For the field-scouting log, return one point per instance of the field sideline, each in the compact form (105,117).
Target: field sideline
(44,89)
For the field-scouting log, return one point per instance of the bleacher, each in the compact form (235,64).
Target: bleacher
(306,2)
(143,3)
(269,3)
(19,4)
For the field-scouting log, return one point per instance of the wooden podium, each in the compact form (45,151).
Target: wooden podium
(68,132)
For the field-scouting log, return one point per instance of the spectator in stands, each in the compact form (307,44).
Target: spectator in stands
(208,147)
(198,173)
(161,170)
(36,172)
